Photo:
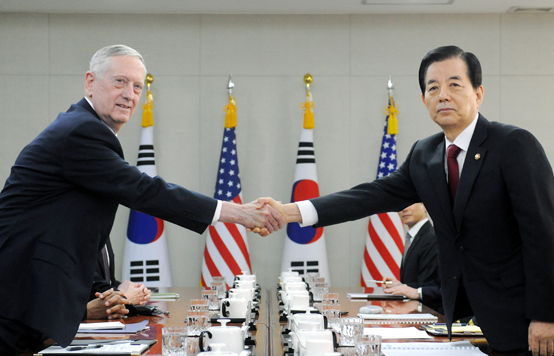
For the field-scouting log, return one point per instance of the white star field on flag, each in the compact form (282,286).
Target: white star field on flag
(387,159)
(228,178)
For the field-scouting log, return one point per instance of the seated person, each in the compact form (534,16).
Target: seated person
(420,258)
(104,279)
(429,293)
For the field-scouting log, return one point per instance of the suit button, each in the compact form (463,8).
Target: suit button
(461,248)
(455,278)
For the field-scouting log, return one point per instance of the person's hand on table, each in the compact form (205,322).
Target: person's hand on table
(402,289)
(108,305)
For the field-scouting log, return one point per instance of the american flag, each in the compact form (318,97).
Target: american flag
(226,252)
(384,241)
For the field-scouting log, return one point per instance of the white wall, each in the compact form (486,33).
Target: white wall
(43,59)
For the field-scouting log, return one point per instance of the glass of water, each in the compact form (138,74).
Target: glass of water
(174,341)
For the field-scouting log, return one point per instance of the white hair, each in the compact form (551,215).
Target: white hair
(102,59)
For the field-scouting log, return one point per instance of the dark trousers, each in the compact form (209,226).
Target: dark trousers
(16,338)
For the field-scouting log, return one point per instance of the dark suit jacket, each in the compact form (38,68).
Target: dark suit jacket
(421,261)
(430,293)
(498,237)
(57,209)
(100,282)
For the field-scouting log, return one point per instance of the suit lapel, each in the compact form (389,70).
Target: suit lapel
(472,165)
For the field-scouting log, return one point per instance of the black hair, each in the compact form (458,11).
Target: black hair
(446,52)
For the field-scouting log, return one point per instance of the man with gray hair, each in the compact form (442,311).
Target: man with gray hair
(59,203)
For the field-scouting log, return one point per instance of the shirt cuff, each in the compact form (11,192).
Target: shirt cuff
(420,292)
(308,213)
(217,213)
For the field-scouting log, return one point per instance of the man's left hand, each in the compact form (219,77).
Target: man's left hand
(541,338)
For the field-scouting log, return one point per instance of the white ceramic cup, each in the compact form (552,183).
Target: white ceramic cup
(290,286)
(306,321)
(317,347)
(236,308)
(299,301)
(246,293)
(231,336)
(245,284)
(300,337)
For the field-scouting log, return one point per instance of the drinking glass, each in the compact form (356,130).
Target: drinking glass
(220,287)
(332,313)
(349,329)
(211,297)
(319,289)
(197,321)
(174,341)
(368,345)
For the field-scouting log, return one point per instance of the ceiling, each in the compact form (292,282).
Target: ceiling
(270,6)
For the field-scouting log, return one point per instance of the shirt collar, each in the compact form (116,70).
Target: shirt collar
(415,229)
(464,138)
(92,106)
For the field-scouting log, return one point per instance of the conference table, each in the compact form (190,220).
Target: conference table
(268,327)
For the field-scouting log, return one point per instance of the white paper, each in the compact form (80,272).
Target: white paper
(460,348)
(102,325)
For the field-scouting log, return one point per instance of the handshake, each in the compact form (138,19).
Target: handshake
(262,216)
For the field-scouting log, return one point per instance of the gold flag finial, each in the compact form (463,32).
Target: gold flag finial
(308,79)
(147,115)
(308,105)
(231,108)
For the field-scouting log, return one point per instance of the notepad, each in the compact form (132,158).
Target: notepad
(163,296)
(108,325)
(460,348)
(105,347)
(129,328)
(423,318)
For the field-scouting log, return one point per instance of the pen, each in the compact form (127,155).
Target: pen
(387,283)
(78,348)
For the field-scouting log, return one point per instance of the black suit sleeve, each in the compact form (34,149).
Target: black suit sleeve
(90,153)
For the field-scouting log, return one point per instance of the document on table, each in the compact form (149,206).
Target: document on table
(424,318)
(398,333)
(164,296)
(106,347)
(130,328)
(108,325)
(460,348)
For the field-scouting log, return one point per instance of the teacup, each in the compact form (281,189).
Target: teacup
(236,308)
(300,337)
(306,321)
(245,284)
(231,336)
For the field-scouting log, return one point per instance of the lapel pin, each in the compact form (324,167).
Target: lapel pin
(477,156)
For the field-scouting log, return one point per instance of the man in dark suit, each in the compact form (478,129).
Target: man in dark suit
(419,260)
(104,279)
(495,230)
(60,200)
